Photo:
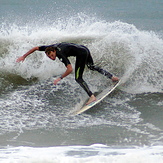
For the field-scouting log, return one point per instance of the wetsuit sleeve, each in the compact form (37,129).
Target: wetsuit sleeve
(64,59)
(42,48)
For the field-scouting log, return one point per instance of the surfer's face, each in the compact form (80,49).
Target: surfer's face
(52,55)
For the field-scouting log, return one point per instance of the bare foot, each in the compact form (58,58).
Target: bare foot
(91,99)
(114,79)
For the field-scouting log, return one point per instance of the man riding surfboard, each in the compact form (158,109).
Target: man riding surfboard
(83,57)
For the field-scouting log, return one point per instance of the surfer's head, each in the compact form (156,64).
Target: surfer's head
(51,52)
(49,49)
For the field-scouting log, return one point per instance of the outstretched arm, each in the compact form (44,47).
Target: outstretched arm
(67,72)
(22,58)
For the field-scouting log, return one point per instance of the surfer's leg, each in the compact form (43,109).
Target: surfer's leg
(91,66)
(79,69)
(104,72)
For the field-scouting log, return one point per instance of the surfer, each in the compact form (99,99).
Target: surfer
(83,57)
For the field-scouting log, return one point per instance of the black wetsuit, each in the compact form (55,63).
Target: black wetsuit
(83,57)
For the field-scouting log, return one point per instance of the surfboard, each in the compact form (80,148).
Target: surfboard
(99,98)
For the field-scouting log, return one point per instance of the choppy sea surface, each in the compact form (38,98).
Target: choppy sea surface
(125,38)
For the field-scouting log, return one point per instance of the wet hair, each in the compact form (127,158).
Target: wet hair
(49,49)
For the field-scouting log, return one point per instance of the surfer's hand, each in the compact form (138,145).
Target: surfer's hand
(56,81)
(20,59)
(114,79)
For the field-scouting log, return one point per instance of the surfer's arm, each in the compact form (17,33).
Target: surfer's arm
(67,72)
(22,58)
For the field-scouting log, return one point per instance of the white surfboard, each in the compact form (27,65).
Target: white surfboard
(99,98)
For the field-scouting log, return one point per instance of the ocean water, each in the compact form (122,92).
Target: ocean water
(125,38)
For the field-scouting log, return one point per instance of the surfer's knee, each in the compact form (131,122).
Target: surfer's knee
(90,66)
(79,80)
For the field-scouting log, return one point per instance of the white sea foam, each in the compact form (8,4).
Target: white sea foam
(72,154)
